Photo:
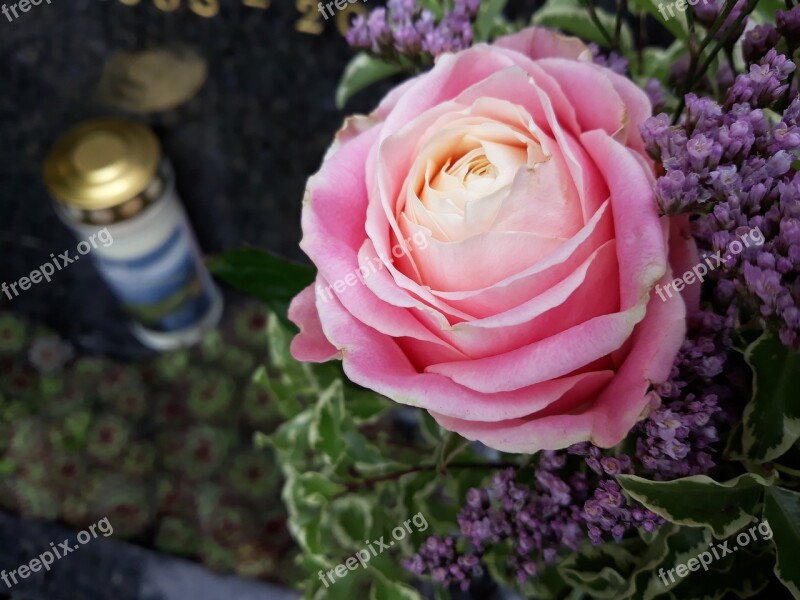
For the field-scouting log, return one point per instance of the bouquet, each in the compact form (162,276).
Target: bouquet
(550,336)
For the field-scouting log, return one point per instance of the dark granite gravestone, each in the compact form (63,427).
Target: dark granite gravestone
(242,147)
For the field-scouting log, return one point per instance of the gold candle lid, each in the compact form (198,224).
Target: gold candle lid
(101,163)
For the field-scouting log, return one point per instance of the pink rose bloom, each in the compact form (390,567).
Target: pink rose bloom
(487,245)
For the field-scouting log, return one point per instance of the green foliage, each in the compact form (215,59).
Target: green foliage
(264,275)
(602,570)
(573,18)
(490,21)
(363,70)
(771,422)
(656,62)
(782,510)
(700,501)
(675,25)
(352,476)
(765,10)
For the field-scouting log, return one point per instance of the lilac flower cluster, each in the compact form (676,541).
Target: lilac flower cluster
(405,29)
(608,511)
(679,437)
(537,522)
(439,557)
(765,84)
(759,40)
(734,170)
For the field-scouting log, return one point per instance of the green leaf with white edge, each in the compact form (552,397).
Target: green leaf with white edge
(576,21)
(734,448)
(282,393)
(782,512)
(280,356)
(450,447)
(307,499)
(347,587)
(547,585)
(420,497)
(388,563)
(326,428)
(267,276)
(294,378)
(363,70)
(497,562)
(367,458)
(675,25)
(351,518)
(601,571)
(291,440)
(700,501)
(771,422)
(305,528)
(385,589)
(673,546)
(316,489)
(364,406)
(741,574)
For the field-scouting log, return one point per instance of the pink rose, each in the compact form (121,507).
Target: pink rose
(487,244)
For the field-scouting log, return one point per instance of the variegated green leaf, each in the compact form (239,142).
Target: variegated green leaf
(700,501)
(782,512)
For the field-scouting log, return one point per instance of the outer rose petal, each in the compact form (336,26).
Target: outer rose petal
(622,403)
(310,345)
(608,419)
(535,42)
(376,361)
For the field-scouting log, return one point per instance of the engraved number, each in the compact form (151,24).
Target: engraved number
(167,5)
(343,18)
(310,22)
(204,8)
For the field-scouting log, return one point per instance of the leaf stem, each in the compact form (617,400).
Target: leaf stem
(371,481)
(589,4)
(693,77)
(622,7)
(787,470)
(720,44)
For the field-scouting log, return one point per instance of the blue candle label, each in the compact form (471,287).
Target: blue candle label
(166,288)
